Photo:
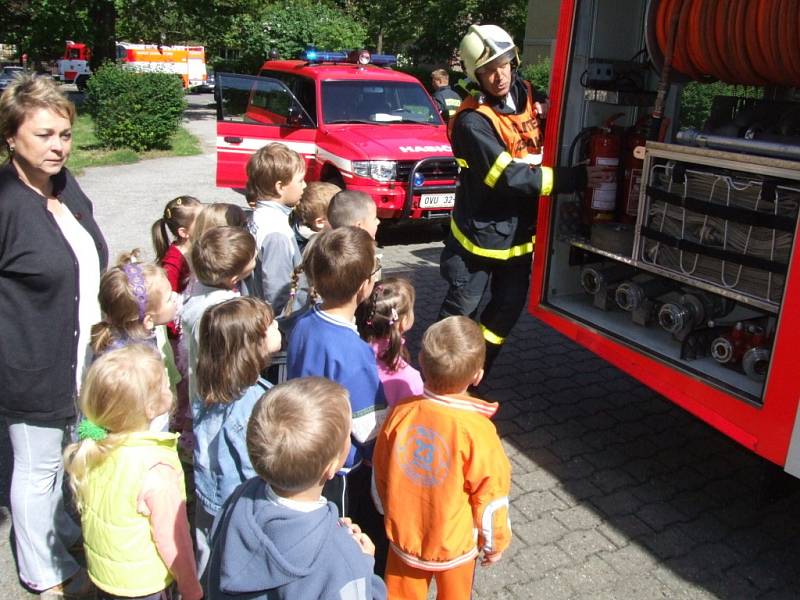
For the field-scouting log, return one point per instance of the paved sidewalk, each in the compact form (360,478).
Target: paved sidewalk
(617,493)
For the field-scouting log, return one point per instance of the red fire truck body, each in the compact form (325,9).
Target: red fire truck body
(695,292)
(360,126)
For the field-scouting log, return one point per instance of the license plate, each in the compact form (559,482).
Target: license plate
(437,200)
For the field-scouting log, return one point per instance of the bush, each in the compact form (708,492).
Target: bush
(134,110)
(538,74)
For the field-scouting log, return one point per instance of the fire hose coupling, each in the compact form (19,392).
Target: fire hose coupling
(692,310)
(597,277)
(631,295)
(755,363)
(747,345)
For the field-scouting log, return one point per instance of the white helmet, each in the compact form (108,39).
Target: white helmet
(484,44)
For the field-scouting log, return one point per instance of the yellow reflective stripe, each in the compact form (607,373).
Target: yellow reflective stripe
(547,180)
(462,163)
(490,336)
(497,169)
(514,251)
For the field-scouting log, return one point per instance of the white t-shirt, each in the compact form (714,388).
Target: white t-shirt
(85,251)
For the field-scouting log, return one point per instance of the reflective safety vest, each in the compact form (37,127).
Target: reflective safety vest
(521,133)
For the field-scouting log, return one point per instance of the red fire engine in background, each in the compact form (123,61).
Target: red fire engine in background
(685,273)
(187,62)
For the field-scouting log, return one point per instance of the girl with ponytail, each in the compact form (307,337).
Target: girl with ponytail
(128,482)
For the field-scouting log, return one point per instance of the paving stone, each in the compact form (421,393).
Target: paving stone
(589,576)
(537,480)
(639,587)
(579,544)
(622,502)
(537,560)
(630,560)
(668,543)
(491,579)
(610,480)
(576,490)
(538,438)
(624,528)
(552,586)
(660,515)
(578,517)
(543,530)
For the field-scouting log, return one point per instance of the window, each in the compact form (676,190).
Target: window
(375,102)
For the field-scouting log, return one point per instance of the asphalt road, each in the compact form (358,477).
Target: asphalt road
(617,493)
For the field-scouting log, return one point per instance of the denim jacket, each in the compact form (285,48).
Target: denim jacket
(221,461)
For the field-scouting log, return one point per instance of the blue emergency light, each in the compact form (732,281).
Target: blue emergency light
(359,57)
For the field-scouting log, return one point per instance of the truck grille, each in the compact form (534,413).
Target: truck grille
(444,168)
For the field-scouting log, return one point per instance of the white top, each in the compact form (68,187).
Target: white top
(85,251)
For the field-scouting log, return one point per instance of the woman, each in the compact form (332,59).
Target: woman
(51,257)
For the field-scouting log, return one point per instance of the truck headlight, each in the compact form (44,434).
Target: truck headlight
(379,170)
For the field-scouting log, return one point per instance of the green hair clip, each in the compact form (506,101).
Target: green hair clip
(92,431)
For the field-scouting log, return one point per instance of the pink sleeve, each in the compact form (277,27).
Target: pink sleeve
(160,500)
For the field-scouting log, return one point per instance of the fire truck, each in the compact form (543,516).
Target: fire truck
(356,122)
(684,272)
(187,62)
(74,66)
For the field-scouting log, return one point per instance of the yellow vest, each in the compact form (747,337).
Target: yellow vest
(121,555)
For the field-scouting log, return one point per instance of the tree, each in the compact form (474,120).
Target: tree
(289,28)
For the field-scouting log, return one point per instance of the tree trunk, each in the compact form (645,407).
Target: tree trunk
(103,16)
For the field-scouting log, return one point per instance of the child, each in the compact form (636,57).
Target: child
(180,215)
(128,481)
(137,302)
(382,320)
(441,474)
(219,214)
(309,217)
(275,181)
(276,537)
(357,209)
(221,258)
(178,218)
(236,339)
(325,342)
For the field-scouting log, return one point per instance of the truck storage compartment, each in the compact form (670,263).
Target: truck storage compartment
(686,257)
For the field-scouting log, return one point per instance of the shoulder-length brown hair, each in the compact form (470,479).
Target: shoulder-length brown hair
(233,348)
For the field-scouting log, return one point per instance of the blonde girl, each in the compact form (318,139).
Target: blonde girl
(128,483)
(176,223)
(219,214)
(382,321)
(237,338)
(137,302)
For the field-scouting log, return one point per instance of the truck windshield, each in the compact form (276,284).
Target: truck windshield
(377,102)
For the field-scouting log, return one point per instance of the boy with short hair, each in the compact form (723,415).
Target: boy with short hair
(221,259)
(356,209)
(441,476)
(274,186)
(341,265)
(276,537)
(310,216)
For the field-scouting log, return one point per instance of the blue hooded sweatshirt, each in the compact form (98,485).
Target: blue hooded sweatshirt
(260,550)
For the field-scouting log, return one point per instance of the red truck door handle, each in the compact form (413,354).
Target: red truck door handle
(233,140)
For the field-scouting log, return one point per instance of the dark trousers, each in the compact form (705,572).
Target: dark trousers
(470,278)
(351,495)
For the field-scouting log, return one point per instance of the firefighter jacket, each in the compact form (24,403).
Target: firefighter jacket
(498,150)
(448,102)
(442,479)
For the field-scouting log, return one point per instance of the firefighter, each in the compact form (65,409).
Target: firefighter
(497,141)
(447,100)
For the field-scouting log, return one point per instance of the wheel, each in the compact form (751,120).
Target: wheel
(335,178)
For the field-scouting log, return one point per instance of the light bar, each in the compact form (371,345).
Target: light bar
(361,57)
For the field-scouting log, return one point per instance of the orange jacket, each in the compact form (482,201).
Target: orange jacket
(442,478)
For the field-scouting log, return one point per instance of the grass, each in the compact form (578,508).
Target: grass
(87,151)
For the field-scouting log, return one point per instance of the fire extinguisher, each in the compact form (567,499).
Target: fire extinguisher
(632,170)
(603,149)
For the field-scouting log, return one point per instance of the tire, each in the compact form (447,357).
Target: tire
(335,178)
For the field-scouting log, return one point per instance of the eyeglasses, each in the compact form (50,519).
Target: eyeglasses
(378,266)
